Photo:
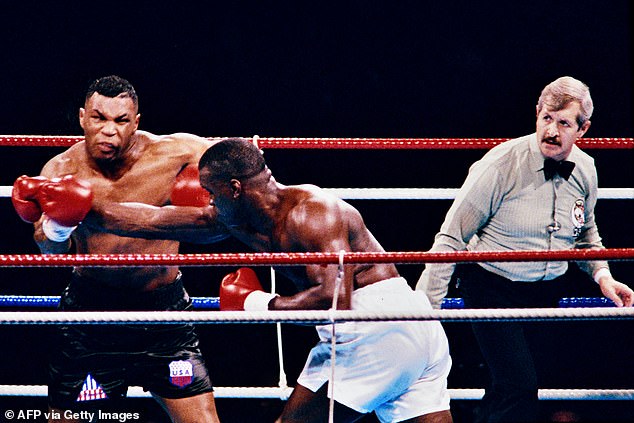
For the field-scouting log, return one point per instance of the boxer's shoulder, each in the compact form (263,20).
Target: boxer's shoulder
(186,147)
(68,162)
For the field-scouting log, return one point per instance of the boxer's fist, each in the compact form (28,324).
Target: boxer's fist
(66,201)
(241,290)
(187,190)
(24,197)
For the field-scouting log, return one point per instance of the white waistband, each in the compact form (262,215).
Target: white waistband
(386,284)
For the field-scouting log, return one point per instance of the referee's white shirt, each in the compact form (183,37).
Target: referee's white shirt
(506,204)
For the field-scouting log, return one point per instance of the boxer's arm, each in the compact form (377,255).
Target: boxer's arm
(47,246)
(190,218)
(320,227)
(241,290)
(320,297)
(188,224)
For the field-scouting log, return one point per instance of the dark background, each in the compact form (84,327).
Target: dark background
(328,69)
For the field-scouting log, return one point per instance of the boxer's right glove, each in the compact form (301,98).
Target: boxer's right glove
(187,190)
(65,203)
(241,290)
(24,197)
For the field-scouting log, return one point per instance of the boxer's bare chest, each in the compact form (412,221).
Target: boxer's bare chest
(148,180)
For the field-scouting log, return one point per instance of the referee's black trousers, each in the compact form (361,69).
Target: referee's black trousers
(511,395)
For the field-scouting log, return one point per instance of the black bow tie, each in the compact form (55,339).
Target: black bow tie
(553,167)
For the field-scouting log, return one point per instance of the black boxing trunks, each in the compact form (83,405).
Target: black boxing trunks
(93,363)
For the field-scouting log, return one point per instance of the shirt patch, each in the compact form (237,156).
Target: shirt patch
(181,373)
(91,390)
(578,216)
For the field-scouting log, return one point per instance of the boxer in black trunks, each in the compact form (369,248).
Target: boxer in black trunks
(119,163)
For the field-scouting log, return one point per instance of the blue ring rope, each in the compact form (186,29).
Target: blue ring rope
(213,303)
(51,301)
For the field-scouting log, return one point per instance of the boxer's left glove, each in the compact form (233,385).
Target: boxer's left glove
(187,190)
(24,197)
(65,203)
(241,290)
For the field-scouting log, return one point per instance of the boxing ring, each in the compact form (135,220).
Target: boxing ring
(570,309)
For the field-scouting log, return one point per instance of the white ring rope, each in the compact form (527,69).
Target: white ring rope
(282,383)
(284,393)
(333,339)
(443,193)
(319,317)
(415,193)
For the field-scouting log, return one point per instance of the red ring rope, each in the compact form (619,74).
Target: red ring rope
(340,143)
(269,259)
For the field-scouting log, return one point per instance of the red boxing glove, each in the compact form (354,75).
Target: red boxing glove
(66,201)
(24,197)
(241,290)
(187,190)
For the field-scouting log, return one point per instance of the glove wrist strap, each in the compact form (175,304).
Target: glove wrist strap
(258,301)
(56,232)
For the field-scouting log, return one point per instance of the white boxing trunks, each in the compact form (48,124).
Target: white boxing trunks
(396,369)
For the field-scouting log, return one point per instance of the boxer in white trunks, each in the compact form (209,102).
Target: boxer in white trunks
(397,370)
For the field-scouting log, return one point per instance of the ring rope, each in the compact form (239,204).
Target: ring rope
(414,193)
(284,393)
(50,301)
(282,381)
(333,338)
(337,143)
(443,193)
(213,303)
(297,259)
(315,317)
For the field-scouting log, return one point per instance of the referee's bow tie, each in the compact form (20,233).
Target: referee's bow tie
(563,168)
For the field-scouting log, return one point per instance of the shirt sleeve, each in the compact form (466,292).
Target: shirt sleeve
(476,201)
(589,237)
